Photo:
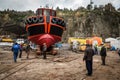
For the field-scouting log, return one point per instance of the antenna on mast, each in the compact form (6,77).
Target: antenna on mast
(47,5)
(91,2)
(40,6)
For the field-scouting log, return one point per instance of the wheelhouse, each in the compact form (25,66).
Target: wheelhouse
(45,12)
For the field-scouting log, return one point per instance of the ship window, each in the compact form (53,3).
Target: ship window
(35,30)
(47,12)
(40,12)
(56,31)
(37,12)
(53,13)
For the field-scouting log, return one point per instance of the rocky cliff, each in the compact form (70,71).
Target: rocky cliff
(103,22)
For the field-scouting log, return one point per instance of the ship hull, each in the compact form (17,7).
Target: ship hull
(45,38)
(45,29)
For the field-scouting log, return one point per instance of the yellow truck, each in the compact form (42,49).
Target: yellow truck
(81,43)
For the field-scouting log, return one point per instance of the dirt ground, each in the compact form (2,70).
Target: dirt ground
(67,65)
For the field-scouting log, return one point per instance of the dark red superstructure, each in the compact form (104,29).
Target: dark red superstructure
(45,27)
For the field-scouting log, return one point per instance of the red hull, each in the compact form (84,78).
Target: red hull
(45,38)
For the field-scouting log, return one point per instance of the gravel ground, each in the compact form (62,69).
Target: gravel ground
(64,66)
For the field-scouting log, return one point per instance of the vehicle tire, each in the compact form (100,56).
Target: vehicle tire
(54,20)
(29,21)
(41,20)
(35,20)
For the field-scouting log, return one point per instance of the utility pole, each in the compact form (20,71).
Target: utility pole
(91,2)
(47,5)
(92,22)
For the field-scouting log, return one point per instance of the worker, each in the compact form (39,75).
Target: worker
(103,54)
(21,49)
(27,50)
(118,51)
(88,58)
(44,49)
(15,49)
(96,49)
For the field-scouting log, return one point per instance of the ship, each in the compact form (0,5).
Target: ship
(45,27)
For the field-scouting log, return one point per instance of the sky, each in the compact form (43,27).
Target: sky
(23,5)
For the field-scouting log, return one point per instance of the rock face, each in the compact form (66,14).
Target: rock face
(103,21)
(12,22)
(80,23)
(104,25)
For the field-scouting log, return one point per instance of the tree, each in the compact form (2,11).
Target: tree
(81,8)
(89,7)
(109,7)
(118,9)
(57,8)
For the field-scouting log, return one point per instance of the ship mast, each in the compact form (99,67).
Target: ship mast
(91,2)
(47,6)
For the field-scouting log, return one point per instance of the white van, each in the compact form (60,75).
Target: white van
(20,41)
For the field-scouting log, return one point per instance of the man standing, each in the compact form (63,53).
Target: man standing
(103,54)
(15,49)
(27,50)
(88,57)
(118,51)
(44,49)
(21,48)
(96,49)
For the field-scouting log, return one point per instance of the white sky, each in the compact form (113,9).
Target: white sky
(22,5)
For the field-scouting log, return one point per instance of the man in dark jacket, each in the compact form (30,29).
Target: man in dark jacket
(27,50)
(103,54)
(21,48)
(88,57)
(118,51)
(44,49)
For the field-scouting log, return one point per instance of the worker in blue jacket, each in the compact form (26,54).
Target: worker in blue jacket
(15,49)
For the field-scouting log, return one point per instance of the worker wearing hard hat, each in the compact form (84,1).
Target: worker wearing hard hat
(103,53)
